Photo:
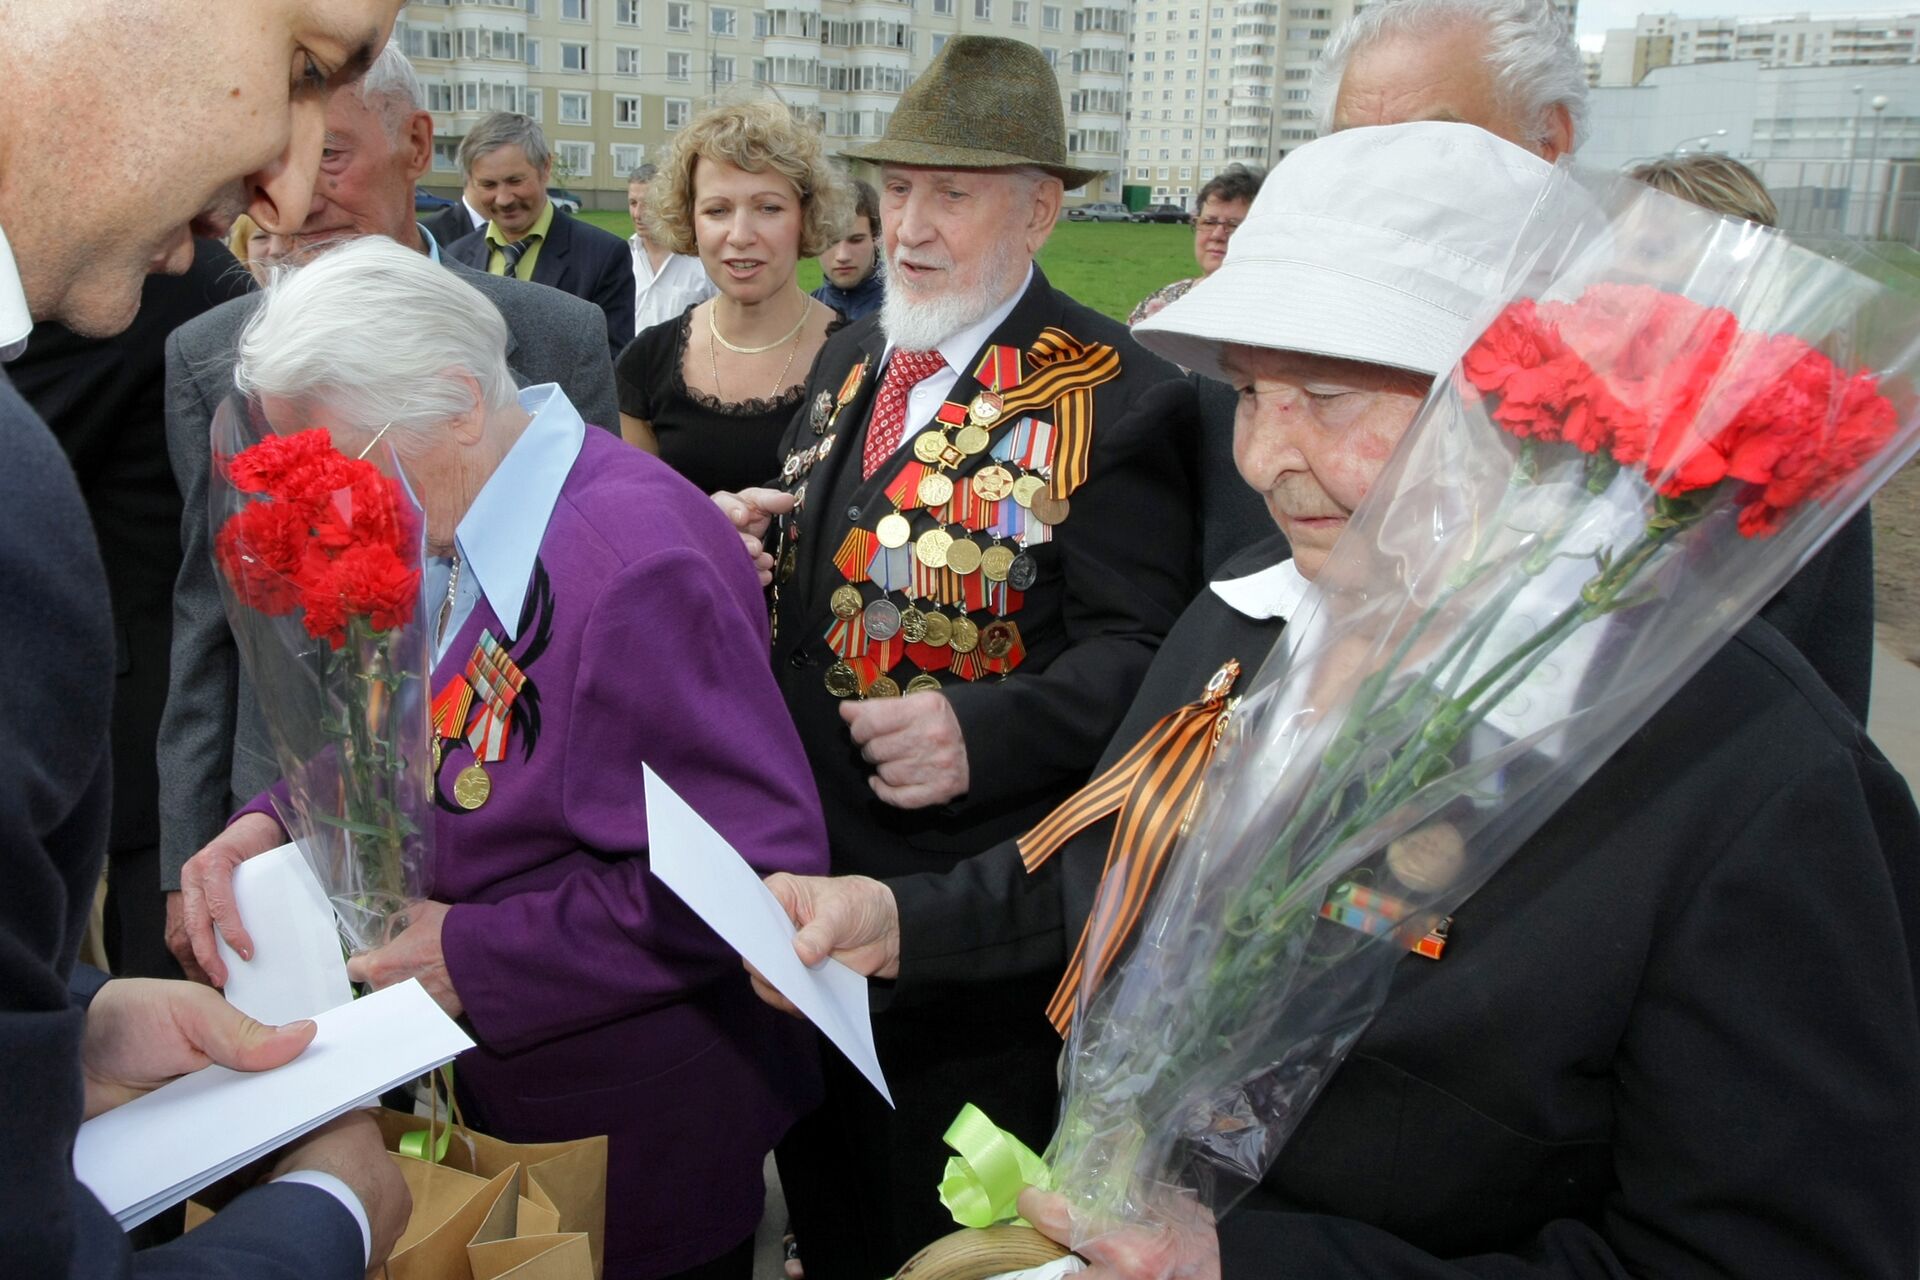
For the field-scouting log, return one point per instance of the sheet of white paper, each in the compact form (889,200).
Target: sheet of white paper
(297,968)
(1071,1265)
(696,862)
(161,1148)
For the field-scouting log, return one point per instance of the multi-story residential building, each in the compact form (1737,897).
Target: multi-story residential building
(611,80)
(1665,40)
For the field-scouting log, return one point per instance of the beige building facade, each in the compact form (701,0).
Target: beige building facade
(1666,40)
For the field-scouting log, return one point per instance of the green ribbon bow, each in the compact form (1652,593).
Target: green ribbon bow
(983,1183)
(415,1144)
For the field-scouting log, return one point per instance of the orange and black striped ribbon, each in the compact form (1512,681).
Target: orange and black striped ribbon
(1149,791)
(1062,372)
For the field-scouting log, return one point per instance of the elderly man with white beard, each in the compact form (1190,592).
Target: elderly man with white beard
(980,535)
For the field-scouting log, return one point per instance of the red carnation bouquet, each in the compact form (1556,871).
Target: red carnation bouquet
(320,562)
(1663,419)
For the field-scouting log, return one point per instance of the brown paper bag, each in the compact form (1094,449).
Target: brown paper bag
(546,1257)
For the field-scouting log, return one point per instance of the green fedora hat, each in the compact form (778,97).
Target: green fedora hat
(984,103)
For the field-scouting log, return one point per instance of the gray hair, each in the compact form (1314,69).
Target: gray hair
(382,336)
(1530,51)
(392,90)
(505,129)
(644,174)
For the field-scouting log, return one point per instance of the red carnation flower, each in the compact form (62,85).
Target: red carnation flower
(1516,341)
(279,464)
(374,584)
(260,550)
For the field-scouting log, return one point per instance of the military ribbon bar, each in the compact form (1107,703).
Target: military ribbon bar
(999,369)
(855,554)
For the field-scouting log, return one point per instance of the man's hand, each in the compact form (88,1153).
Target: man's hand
(351,1149)
(206,890)
(1189,1249)
(853,919)
(142,1032)
(752,512)
(178,940)
(415,953)
(915,745)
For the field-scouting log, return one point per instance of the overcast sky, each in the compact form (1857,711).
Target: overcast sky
(1597,15)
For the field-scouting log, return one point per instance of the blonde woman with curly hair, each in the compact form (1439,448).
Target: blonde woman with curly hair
(750,191)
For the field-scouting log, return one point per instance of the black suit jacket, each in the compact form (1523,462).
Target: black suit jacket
(55,691)
(450,224)
(577,258)
(1675,1035)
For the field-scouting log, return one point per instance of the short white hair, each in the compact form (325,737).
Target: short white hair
(391,89)
(1530,52)
(381,335)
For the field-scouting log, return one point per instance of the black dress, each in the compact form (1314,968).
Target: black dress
(714,444)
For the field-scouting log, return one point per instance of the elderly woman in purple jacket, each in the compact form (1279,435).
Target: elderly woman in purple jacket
(600,1004)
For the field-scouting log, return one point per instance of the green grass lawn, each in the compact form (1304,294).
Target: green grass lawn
(1109,266)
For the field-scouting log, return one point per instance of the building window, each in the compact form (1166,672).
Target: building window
(628,156)
(1021,10)
(1052,56)
(723,70)
(983,10)
(626,12)
(723,22)
(679,111)
(942,8)
(575,157)
(626,110)
(446,155)
(626,60)
(1049,17)
(576,11)
(533,53)
(573,57)
(530,103)
(679,16)
(679,65)
(575,108)
(939,43)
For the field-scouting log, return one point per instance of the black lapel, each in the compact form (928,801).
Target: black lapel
(832,483)
(551,266)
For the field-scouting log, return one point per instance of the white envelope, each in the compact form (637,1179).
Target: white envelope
(297,969)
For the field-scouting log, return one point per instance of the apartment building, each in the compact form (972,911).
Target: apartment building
(611,80)
(1665,40)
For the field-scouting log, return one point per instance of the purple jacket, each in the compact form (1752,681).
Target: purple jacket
(601,1004)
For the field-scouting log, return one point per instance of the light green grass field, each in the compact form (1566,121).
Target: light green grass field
(1109,266)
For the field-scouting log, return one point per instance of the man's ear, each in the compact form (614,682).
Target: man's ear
(1559,133)
(417,142)
(1044,213)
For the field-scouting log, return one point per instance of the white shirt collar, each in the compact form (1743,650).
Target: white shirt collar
(1276,591)
(500,535)
(16,322)
(961,347)
(474,216)
(433,246)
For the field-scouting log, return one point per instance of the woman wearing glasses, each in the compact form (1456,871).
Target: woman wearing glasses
(1222,205)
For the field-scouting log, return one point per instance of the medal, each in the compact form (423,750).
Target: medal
(996,639)
(963,557)
(994,563)
(1022,572)
(966,636)
(984,412)
(935,489)
(1048,509)
(971,439)
(822,410)
(883,687)
(790,469)
(990,484)
(939,630)
(893,530)
(472,787)
(841,682)
(1025,487)
(923,683)
(789,560)
(882,620)
(913,624)
(927,446)
(932,548)
(845,601)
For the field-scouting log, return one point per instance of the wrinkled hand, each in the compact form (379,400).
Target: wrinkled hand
(1188,1249)
(206,890)
(853,919)
(352,1150)
(142,1032)
(414,954)
(915,746)
(752,512)
(179,942)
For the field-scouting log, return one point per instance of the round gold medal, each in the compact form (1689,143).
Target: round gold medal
(935,489)
(963,556)
(846,601)
(472,787)
(1025,487)
(913,624)
(996,639)
(841,682)
(966,636)
(883,687)
(939,629)
(990,484)
(970,439)
(923,683)
(932,548)
(995,561)
(893,530)
(928,444)
(1048,509)
(985,411)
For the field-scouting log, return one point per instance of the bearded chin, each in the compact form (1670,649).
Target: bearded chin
(921,322)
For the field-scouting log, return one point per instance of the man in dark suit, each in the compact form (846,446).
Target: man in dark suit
(102,398)
(234,138)
(507,165)
(454,222)
(984,502)
(215,754)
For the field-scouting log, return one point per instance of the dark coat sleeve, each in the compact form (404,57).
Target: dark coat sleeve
(608,266)
(1826,610)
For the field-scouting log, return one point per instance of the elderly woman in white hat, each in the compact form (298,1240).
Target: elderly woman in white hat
(1622,1064)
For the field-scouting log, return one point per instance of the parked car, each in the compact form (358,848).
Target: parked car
(564,199)
(1098,211)
(423,200)
(1161,213)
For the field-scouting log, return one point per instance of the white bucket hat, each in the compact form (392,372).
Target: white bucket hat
(1380,245)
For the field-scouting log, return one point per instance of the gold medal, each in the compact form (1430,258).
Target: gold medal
(1048,509)
(996,639)
(893,531)
(841,682)
(932,548)
(883,687)
(939,629)
(1025,487)
(913,624)
(971,439)
(923,683)
(984,411)
(966,636)
(927,446)
(995,561)
(963,556)
(822,412)
(935,489)
(846,601)
(472,787)
(990,484)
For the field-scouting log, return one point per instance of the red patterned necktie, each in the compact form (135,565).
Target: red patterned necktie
(905,371)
